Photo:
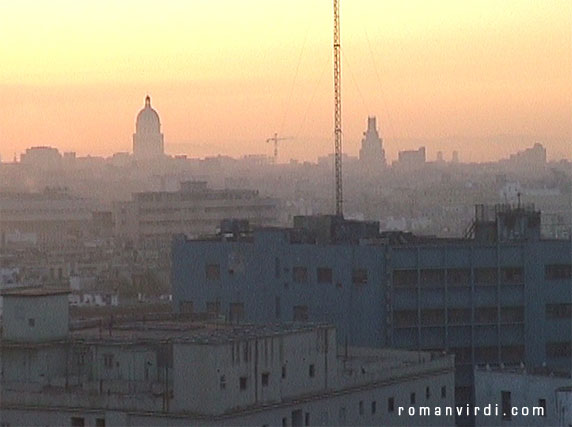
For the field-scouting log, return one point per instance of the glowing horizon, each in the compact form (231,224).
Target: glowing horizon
(226,75)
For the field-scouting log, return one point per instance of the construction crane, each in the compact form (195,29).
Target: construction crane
(275,140)
(338,111)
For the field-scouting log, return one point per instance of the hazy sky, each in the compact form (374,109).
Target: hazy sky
(225,75)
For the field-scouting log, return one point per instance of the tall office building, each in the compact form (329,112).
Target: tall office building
(372,154)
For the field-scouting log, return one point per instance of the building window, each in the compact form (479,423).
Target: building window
(443,392)
(506,405)
(459,316)
(277,268)
(432,316)
(542,404)
(559,349)
(265,378)
(486,315)
(324,275)
(412,398)
(459,277)
(390,404)
(559,311)
(100,422)
(77,422)
(405,278)
(300,313)
(300,274)
(373,407)
(512,353)
(222,383)
(284,422)
(558,271)
(242,382)
(361,407)
(512,275)
(486,276)
(307,419)
(432,277)
(512,314)
(108,361)
(236,312)
(359,276)
(31,323)
(427,393)
(405,318)
(213,307)
(212,271)
(312,371)
(283,371)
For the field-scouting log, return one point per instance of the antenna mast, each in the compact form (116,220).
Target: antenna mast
(338,110)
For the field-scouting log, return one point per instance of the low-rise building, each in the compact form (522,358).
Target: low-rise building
(180,371)
(194,210)
(523,396)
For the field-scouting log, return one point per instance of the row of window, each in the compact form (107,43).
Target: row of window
(457,276)
(425,277)
(559,311)
(409,318)
(264,378)
(488,354)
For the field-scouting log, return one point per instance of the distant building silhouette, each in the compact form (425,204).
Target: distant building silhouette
(372,154)
(411,159)
(148,140)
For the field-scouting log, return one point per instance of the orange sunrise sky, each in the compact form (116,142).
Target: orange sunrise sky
(224,75)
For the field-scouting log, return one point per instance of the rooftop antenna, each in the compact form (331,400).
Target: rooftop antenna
(338,111)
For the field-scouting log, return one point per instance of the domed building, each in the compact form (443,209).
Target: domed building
(148,139)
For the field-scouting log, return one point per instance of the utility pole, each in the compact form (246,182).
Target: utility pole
(275,140)
(338,111)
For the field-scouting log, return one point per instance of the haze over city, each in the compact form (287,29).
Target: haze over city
(485,78)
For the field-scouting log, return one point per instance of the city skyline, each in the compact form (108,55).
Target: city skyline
(447,75)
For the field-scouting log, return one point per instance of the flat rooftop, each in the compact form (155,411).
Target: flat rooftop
(33,292)
(196,332)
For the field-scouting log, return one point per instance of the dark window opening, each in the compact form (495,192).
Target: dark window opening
(300,313)
(77,421)
(405,318)
(265,379)
(405,278)
(212,271)
(300,274)
(390,404)
(108,361)
(443,392)
(558,271)
(559,311)
(512,275)
(31,322)
(459,277)
(432,277)
(486,276)
(312,371)
(222,382)
(361,407)
(242,382)
(100,422)
(373,407)
(324,275)
(559,349)
(359,276)
(459,315)
(412,398)
(427,393)
(512,314)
